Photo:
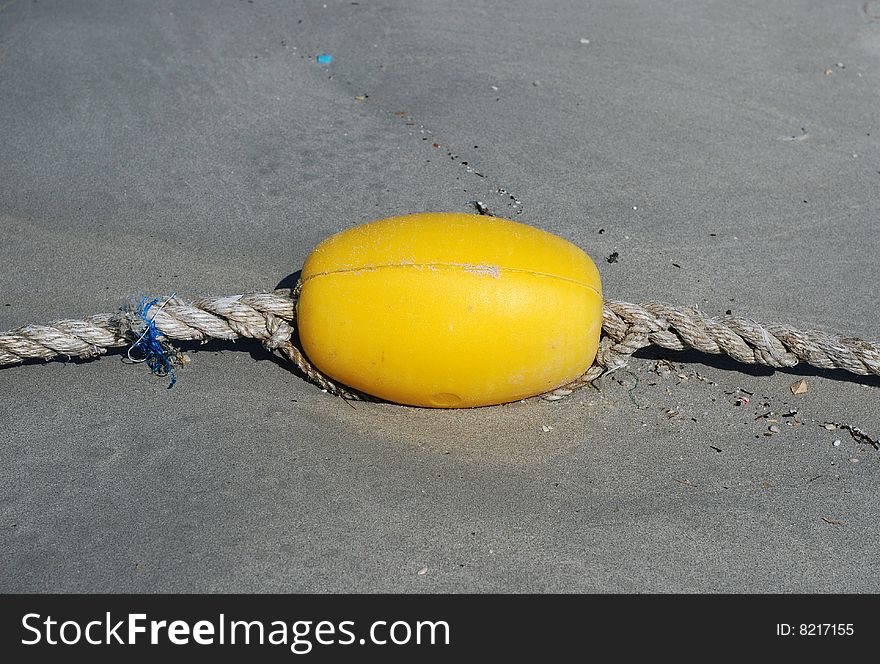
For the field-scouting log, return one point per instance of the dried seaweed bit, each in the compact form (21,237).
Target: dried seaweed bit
(662,367)
(612,258)
(861,437)
(481,208)
(858,435)
(833,522)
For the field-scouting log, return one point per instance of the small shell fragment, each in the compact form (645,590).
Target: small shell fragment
(799,386)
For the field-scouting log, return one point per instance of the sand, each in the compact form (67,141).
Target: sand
(728,152)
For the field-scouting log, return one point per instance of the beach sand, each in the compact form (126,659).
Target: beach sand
(728,152)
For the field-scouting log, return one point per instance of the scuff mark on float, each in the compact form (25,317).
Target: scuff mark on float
(489,270)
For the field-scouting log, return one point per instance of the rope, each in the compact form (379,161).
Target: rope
(270,318)
(627,328)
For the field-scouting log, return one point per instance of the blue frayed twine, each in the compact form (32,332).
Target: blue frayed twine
(157,352)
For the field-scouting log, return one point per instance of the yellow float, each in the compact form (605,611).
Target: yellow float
(449,310)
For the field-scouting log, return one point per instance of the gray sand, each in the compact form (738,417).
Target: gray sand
(159,146)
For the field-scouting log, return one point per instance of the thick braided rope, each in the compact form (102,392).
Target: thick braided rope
(628,327)
(270,318)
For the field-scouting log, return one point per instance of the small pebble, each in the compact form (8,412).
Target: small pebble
(836,443)
(854,460)
(546,428)
(799,387)
(536,83)
(584,40)
(773,428)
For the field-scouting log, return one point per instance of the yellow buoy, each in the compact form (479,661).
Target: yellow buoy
(449,310)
